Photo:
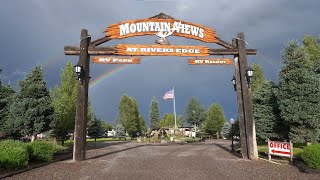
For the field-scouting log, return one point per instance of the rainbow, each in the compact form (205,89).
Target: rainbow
(107,75)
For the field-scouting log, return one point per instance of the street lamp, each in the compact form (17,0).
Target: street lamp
(249,75)
(195,126)
(79,71)
(233,80)
(232,122)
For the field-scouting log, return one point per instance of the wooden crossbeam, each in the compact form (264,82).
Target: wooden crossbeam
(109,50)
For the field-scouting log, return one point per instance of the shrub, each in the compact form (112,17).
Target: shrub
(190,140)
(13,154)
(12,143)
(41,151)
(311,155)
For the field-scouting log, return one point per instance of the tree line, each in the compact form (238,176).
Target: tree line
(290,110)
(209,120)
(35,109)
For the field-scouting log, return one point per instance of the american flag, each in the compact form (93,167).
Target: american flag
(168,95)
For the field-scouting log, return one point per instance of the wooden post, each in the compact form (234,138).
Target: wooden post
(291,151)
(80,132)
(243,134)
(247,99)
(269,155)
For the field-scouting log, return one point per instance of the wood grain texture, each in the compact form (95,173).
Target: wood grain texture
(81,119)
(115,60)
(113,31)
(210,61)
(109,50)
(161,50)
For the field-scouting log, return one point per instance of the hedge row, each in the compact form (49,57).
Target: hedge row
(16,154)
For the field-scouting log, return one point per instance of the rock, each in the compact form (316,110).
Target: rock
(163,141)
(138,140)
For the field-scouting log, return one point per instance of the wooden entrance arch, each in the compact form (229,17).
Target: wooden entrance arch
(124,29)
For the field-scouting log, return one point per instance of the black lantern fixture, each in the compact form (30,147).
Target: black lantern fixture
(78,69)
(249,75)
(233,80)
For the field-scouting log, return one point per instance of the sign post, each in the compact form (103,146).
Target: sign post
(283,149)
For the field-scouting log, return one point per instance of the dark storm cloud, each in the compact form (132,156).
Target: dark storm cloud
(34,32)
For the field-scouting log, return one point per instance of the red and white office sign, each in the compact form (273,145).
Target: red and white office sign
(283,149)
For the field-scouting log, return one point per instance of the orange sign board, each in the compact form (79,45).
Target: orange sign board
(115,60)
(210,61)
(161,50)
(161,28)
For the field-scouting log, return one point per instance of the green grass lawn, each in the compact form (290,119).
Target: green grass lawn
(69,143)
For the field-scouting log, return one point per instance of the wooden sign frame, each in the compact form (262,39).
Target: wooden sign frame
(237,49)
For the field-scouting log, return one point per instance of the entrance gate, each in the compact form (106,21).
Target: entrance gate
(163,26)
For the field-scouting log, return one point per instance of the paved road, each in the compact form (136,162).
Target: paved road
(208,160)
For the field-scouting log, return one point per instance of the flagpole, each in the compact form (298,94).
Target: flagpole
(174,109)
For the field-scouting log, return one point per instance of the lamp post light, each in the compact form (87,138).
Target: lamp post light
(232,122)
(79,71)
(249,75)
(195,126)
(233,80)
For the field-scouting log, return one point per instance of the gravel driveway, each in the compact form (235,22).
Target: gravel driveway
(207,160)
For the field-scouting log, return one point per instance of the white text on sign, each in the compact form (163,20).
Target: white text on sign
(115,60)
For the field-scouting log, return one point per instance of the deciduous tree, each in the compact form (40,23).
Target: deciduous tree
(64,100)
(258,79)
(129,115)
(215,120)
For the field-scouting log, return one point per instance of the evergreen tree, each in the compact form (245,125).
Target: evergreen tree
(266,113)
(64,100)
(195,112)
(215,120)
(35,97)
(180,121)
(235,129)
(299,95)
(225,131)
(95,129)
(120,132)
(6,97)
(258,79)
(143,125)
(154,114)
(14,124)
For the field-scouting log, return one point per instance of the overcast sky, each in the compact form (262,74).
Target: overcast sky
(34,32)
